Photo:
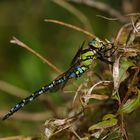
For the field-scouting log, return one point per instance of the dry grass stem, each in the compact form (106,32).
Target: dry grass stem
(70,26)
(21,44)
(34,117)
(102,7)
(13,90)
(80,15)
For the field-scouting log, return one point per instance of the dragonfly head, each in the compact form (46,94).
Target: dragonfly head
(95,44)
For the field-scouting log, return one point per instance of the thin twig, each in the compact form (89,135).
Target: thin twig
(24,116)
(75,134)
(113,19)
(76,94)
(120,33)
(98,83)
(80,15)
(133,32)
(13,90)
(18,42)
(70,26)
(123,128)
(102,7)
(95,96)
(107,18)
(15,138)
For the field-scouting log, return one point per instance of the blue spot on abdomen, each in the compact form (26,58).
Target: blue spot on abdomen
(73,75)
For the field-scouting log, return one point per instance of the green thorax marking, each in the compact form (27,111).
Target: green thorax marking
(87,57)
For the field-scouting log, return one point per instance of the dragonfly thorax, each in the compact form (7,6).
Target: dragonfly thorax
(87,57)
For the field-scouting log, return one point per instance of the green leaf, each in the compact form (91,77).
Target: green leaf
(104,124)
(130,105)
(109,116)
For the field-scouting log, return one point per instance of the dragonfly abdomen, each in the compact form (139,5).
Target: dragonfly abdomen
(78,72)
(33,96)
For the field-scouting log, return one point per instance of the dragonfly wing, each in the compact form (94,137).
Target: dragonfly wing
(75,59)
(68,73)
(74,63)
(65,76)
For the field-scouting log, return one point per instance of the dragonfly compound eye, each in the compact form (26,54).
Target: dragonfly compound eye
(95,43)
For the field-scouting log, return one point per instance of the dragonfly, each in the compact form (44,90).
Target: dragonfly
(81,62)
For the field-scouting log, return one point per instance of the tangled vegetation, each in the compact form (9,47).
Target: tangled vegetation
(105,97)
(118,93)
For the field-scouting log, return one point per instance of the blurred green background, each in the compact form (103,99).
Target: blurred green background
(18,67)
